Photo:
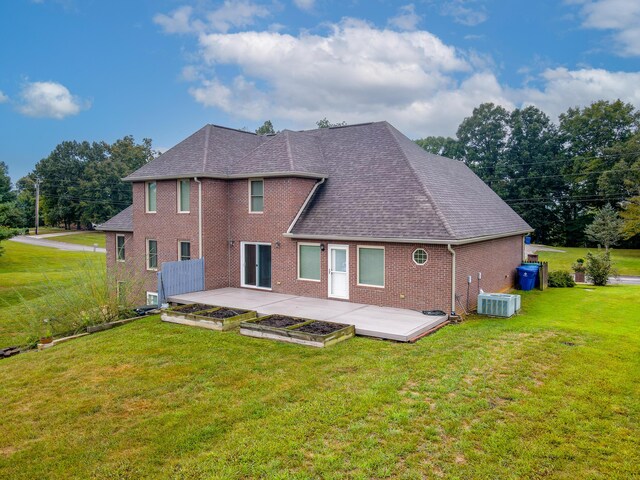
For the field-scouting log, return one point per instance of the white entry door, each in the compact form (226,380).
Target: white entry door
(338,271)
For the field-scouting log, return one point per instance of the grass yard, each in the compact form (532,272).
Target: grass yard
(554,393)
(88,238)
(24,269)
(627,261)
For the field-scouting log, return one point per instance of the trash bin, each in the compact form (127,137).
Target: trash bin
(527,275)
(527,240)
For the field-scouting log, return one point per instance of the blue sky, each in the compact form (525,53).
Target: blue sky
(99,70)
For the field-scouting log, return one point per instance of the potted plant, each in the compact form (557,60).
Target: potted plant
(579,269)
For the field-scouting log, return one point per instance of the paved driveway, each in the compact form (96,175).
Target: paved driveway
(42,242)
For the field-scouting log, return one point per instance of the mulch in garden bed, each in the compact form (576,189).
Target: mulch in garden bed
(194,307)
(321,328)
(222,313)
(280,321)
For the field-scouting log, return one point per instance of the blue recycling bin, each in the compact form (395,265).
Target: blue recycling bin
(527,240)
(527,275)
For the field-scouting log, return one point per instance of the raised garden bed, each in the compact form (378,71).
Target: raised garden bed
(303,331)
(206,316)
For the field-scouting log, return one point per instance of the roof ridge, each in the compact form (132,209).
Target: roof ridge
(288,145)
(436,207)
(230,128)
(271,139)
(205,157)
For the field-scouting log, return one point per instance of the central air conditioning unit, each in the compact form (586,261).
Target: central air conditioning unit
(498,304)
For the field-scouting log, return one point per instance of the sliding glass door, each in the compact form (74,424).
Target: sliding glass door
(256,265)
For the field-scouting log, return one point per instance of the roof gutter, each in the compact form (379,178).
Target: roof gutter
(432,241)
(226,177)
(304,205)
(453,279)
(195,179)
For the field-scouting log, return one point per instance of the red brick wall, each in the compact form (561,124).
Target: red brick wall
(495,259)
(226,218)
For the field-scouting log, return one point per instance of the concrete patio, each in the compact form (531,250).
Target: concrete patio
(381,322)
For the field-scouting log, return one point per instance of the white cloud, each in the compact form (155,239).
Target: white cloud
(305,4)
(462,12)
(620,16)
(407,18)
(231,14)
(178,21)
(565,88)
(3,97)
(357,72)
(49,99)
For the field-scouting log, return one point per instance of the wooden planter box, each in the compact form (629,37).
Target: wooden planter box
(202,320)
(295,333)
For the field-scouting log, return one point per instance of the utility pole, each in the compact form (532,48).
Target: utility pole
(37,205)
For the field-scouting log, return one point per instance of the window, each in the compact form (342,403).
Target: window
(184,251)
(151,197)
(120,248)
(121,292)
(184,195)
(256,196)
(420,256)
(256,265)
(152,254)
(371,266)
(309,261)
(152,298)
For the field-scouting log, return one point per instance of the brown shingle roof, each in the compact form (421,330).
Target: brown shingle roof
(122,222)
(379,184)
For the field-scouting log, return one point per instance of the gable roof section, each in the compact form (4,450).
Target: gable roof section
(122,222)
(221,152)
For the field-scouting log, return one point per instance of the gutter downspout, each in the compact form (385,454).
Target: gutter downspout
(195,179)
(453,278)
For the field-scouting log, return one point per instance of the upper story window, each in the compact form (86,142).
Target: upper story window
(184,195)
(150,197)
(120,254)
(256,196)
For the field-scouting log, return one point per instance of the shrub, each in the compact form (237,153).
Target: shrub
(599,268)
(561,279)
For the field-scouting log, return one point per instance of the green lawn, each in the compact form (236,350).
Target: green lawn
(626,261)
(89,238)
(553,393)
(24,270)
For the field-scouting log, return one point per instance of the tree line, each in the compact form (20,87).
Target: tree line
(556,176)
(80,184)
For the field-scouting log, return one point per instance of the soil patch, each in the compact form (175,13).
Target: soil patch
(321,328)
(280,321)
(195,307)
(222,313)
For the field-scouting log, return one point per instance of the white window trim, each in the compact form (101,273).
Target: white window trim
(413,256)
(249,185)
(146,197)
(152,293)
(348,275)
(384,266)
(255,287)
(309,245)
(124,243)
(180,242)
(179,194)
(147,255)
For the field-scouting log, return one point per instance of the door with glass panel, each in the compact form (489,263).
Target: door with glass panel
(256,265)
(339,271)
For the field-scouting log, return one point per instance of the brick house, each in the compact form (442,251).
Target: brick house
(358,213)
